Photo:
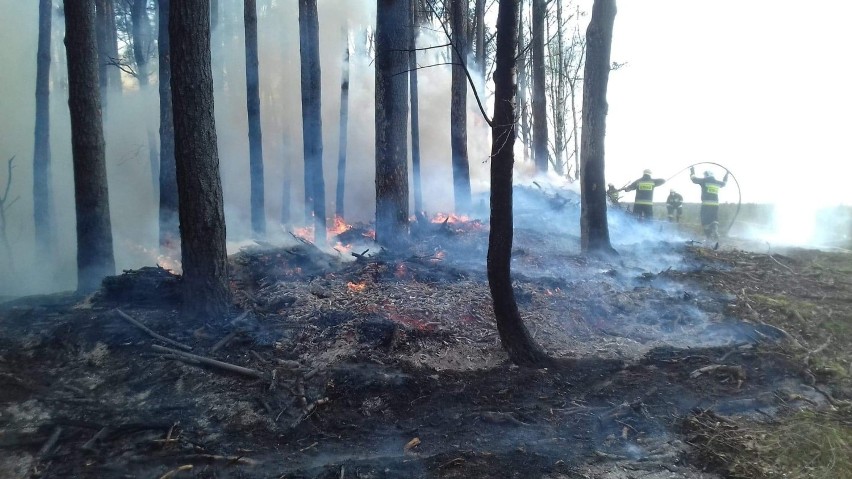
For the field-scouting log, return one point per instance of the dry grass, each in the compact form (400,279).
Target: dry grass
(801,445)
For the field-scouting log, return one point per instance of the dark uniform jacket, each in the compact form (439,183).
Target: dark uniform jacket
(674,200)
(645,189)
(709,189)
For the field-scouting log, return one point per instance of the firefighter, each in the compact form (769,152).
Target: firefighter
(710,187)
(612,193)
(674,206)
(643,204)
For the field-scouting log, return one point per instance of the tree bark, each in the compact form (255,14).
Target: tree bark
(42,207)
(202,218)
(94,232)
(141,32)
(109,74)
(169,224)
(479,34)
(458,108)
(340,197)
(312,118)
(594,229)
(415,109)
(258,213)
(539,102)
(514,336)
(391,118)
(523,84)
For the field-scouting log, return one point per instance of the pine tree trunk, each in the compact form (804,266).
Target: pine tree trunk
(94,232)
(169,224)
(458,108)
(391,36)
(312,118)
(539,102)
(523,84)
(202,218)
(514,336)
(258,214)
(479,33)
(415,110)
(141,31)
(340,196)
(594,229)
(42,208)
(109,74)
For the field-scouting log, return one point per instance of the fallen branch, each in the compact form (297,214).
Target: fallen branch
(90,444)
(227,339)
(210,362)
(737,372)
(149,332)
(173,472)
(51,442)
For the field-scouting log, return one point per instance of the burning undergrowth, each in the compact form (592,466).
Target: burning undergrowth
(384,364)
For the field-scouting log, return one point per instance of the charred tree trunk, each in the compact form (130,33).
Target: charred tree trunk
(415,109)
(42,210)
(141,32)
(94,231)
(109,74)
(340,197)
(458,108)
(479,35)
(202,217)
(312,117)
(539,102)
(258,214)
(523,83)
(391,117)
(514,336)
(558,88)
(594,229)
(169,225)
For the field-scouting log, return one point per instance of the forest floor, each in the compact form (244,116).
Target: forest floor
(688,362)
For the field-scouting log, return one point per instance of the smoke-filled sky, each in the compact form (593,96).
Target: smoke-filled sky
(760,86)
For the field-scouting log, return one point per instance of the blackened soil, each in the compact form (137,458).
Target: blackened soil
(391,367)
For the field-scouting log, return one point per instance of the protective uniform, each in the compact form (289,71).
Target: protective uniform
(612,193)
(674,205)
(643,203)
(710,187)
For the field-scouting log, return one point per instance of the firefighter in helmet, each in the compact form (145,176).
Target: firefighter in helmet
(612,193)
(710,187)
(674,206)
(643,203)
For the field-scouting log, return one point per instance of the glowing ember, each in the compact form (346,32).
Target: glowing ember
(450,218)
(165,261)
(343,248)
(356,287)
(338,227)
(438,256)
(306,232)
(401,271)
(370,234)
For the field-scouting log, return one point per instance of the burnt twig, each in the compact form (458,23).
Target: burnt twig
(149,332)
(211,362)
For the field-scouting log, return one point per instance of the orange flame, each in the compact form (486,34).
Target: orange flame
(356,287)
(450,218)
(305,232)
(339,226)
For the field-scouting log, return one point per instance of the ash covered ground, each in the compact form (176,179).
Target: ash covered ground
(389,365)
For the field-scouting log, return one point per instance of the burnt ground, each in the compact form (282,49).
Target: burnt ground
(390,366)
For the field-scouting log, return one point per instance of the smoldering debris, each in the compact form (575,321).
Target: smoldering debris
(331,363)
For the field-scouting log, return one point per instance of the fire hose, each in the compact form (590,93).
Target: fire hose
(739,190)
